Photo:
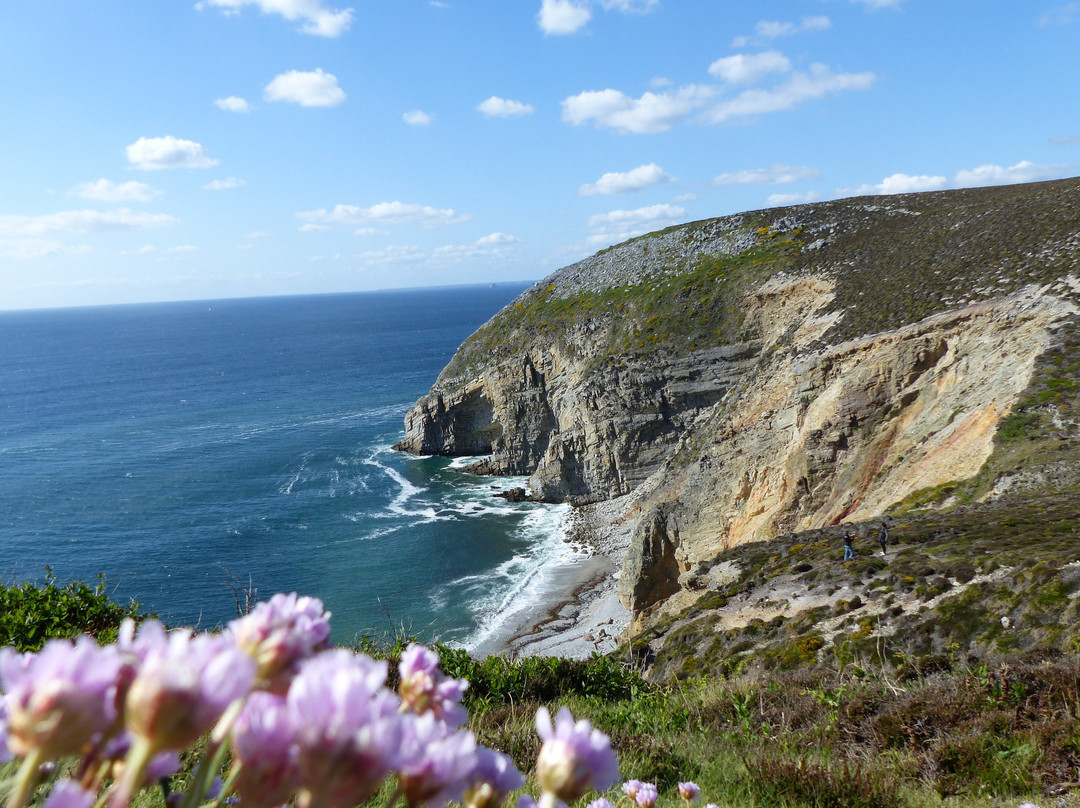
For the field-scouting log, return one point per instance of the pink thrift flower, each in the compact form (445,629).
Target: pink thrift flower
(600,803)
(68,794)
(630,788)
(5,752)
(61,698)
(574,757)
(183,685)
(348,727)
(525,801)
(494,777)
(279,635)
(647,795)
(440,761)
(264,744)
(689,791)
(424,687)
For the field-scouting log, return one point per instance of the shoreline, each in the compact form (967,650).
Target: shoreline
(581,613)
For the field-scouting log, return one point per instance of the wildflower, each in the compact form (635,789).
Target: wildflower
(424,687)
(630,788)
(494,776)
(183,686)
(348,727)
(60,699)
(574,757)
(5,752)
(647,795)
(689,791)
(264,747)
(440,761)
(69,794)
(525,801)
(279,635)
(600,803)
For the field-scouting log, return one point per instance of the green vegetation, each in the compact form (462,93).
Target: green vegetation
(31,614)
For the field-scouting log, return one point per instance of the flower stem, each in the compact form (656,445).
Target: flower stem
(26,779)
(138,758)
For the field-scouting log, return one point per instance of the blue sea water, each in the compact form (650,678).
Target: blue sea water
(175,447)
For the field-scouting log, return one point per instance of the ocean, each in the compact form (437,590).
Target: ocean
(178,448)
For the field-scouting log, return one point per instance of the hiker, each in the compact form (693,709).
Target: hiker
(849,549)
(883,538)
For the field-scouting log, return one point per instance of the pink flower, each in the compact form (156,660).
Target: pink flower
(279,635)
(424,687)
(183,685)
(264,743)
(689,791)
(61,698)
(574,757)
(647,795)
(630,788)
(440,761)
(348,727)
(494,777)
(600,803)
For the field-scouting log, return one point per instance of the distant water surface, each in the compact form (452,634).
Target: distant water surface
(171,446)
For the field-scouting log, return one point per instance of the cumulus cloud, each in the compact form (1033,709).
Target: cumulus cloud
(497,238)
(744,69)
(636,179)
(783,200)
(821,81)
(233,103)
(224,185)
(82,221)
(384,213)
(416,117)
(318,19)
(496,107)
(155,153)
(492,246)
(619,225)
(773,175)
(902,184)
(306,88)
(105,191)
(653,112)
(1023,171)
(560,17)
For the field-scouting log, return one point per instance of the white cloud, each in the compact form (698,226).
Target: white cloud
(558,17)
(393,256)
(497,238)
(224,185)
(257,234)
(496,107)
(416,117)
(773,175)
(82,221)
(105,191)
(317,18)
(154,153)
(744,69)
(306,88)
(879,3)
(783,200)
(233,103)
(32,249)
(624,182)
(1065,140)
(1023,171)
(768,29)
(1062,15)
(145,249)
(631,6)
(653,112)
(385,213)
(619,225)
(818,83)
(897,184)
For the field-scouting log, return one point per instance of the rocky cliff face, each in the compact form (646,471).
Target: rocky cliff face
(782,370)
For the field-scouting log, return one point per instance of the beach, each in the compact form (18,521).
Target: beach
(580,613)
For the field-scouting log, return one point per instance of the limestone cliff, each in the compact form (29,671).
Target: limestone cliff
(782,370)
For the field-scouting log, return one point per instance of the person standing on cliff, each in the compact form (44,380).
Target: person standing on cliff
(849,544)
(883,538)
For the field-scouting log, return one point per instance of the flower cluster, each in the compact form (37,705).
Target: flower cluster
(304,722)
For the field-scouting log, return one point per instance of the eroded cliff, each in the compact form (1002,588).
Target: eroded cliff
(783,370)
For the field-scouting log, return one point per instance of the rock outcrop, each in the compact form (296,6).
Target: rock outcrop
(781,370)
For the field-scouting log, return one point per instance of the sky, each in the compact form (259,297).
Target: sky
(156,150)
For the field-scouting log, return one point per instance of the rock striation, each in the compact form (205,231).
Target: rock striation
(782,370)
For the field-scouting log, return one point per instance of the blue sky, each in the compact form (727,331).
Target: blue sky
(187,150)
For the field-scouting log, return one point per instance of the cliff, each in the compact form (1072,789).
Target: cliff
(783,371)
